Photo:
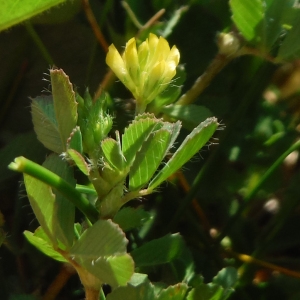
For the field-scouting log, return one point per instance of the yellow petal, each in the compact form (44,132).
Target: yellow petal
(147,70)
(143,54)
(153,82)
(174,56)
(131,61)
(167,77)
(153,41)
(116,63)
(162,49)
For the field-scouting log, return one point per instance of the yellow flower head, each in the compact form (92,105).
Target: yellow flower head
(147,70)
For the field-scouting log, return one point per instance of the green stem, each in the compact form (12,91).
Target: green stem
(23,165)
(85,190)
(256,188)
(140,107)
(30,29)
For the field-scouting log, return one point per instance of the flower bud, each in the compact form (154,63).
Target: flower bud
(228,44)
(94,122)
(145,70)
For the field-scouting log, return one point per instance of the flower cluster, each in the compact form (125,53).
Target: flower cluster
(145,70)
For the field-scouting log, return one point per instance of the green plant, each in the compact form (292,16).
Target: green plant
(109,240)
(77,132)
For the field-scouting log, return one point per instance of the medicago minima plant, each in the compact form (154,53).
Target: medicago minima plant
(119,167)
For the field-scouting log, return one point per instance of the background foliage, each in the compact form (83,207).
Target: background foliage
(255,96)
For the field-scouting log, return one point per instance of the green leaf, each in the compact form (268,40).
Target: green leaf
(104,238)
(173,21)
(227,278)
(65,106)
(271,26)
(64,214)
(59,13)
(42,201)
(175,129)
(183,265)
(54,213)
(190,115)
(101,250)
(260,22)
(206,292)
(159,251)
(113,154)
(175,292)
(144,116)
(290,48)
(219,289)
(189,147)
(149,158)
(79,161)
(113,270)
(247,14)
(136,133)
(129,218)
(45,124)
(41,242)
(138,279)
(144,291)
(112,202)
(13,12)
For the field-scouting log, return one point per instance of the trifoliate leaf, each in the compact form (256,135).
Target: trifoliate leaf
(113,154)
(65,106)
(10,14)
(64,210)
(129,218)
(143,291)
(189,147)
(135,135)
(174,292)
(79,161)
(159,251)
(149,158)
(45,123)
(101,250)
(40,240)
